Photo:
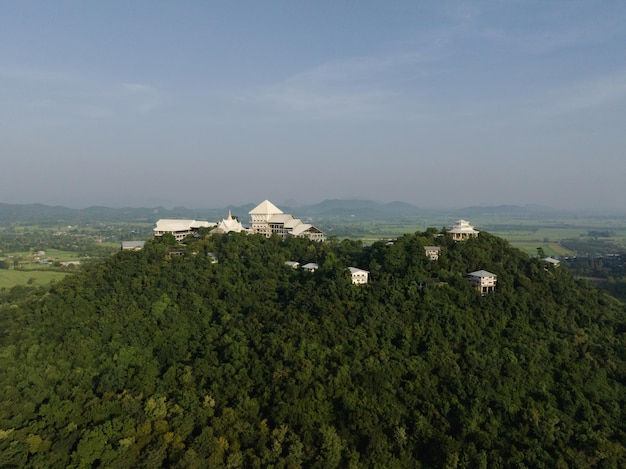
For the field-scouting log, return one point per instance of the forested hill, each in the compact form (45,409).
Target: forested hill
(159,359)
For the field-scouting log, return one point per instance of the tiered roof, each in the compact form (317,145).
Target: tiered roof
(463,226)
(229,224)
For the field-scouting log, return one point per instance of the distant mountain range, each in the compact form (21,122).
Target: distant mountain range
(507,210)
(46,214)
(330,208)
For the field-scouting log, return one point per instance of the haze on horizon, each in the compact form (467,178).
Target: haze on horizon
(208,104)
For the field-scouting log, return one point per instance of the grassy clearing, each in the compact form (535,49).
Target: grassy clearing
(11,278)
(56,254)
(62,256)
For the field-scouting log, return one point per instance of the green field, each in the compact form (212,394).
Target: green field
(11,278)
(525,234)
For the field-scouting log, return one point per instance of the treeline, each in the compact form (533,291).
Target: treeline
(159,360)
(605,272)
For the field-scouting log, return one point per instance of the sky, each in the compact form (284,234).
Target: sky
(205,104)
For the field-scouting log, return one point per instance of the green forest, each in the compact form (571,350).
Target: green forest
(166,358)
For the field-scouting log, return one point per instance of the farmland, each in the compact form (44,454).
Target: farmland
(559,237)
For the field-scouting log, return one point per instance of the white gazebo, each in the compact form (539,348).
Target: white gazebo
(462,230)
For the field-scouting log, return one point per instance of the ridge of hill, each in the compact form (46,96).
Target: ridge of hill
(44,214)
(163,357)
(330,208)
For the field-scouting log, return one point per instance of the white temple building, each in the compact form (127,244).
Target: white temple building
(267,219)
(230,225)
(180,229)
(462,230)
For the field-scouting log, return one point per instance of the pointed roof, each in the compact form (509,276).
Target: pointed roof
(265,208)
(229,224)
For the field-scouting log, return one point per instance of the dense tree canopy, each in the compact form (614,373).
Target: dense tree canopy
(165,358)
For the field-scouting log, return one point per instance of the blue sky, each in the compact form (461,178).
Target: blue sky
(206,104)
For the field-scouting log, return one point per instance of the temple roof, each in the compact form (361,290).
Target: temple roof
(265,208)
(229,224)
(463,226)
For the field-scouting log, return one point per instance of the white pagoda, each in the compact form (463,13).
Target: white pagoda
(228,225)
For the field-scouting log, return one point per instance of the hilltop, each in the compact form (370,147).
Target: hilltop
(164,357)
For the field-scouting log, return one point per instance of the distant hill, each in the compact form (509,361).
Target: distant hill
(358,207)
(331,208)
(44,214)
(507,211)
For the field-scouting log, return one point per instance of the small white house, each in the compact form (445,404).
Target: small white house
(133,245)
(432,252)
(292,264)
(551,261)
(311,266)
(483,281)
(359,276)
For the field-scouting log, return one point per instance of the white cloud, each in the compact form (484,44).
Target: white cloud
(143,98)
(360,88)
(593,94)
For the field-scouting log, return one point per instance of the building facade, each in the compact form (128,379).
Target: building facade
(180,229)
(483,281)
(432,252)
(267,219)
(358,276)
